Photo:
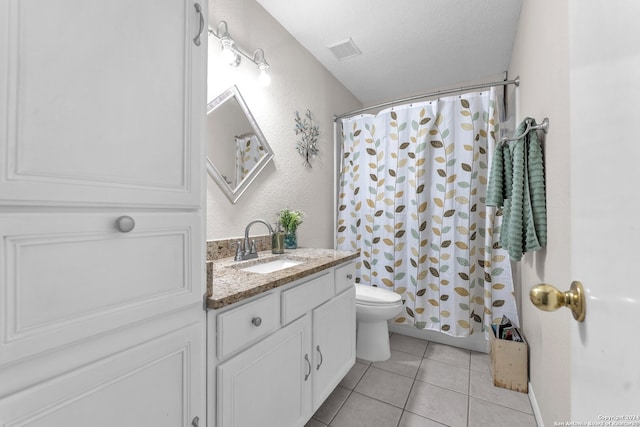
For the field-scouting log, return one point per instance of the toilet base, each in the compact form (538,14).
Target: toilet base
(372,342)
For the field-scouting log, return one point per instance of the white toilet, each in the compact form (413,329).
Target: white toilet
(374,307)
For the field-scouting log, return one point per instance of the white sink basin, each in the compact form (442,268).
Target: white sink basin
(271,266)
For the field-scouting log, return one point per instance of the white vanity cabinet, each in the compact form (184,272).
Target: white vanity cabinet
(101,212)
(281,378)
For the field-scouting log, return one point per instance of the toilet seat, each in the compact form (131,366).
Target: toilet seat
(372,296)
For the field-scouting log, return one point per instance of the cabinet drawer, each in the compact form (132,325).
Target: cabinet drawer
(305,297)
(345,277)
(71,276)
(246,324)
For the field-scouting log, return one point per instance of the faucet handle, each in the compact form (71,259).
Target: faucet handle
(253,247)
(239,251)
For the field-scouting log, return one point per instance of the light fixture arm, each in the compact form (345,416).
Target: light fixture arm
(258,59)
(222,34)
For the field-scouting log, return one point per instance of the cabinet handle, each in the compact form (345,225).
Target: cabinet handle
(349,276)
(195,422)
(198,8)
(306,358)
(257,321)
(125,223)
(321,358)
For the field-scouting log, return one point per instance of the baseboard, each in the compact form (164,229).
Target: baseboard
(534,406)
(475,342)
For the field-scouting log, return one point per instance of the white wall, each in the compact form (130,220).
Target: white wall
(299,83)
(541,59)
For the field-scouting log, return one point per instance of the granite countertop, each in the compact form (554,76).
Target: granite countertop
(227,284)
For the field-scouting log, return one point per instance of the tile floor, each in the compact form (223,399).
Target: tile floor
(424,384)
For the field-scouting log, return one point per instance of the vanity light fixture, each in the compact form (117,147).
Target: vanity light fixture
(232,53)
(263,77)
(228,46)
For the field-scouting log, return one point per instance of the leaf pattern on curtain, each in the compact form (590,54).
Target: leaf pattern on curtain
(412,190)
(249,151)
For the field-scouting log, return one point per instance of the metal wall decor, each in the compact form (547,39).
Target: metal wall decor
(308,144)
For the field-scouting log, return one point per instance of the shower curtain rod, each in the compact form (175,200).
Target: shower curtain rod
(515,81)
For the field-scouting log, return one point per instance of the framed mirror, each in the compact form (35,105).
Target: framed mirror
(237,151)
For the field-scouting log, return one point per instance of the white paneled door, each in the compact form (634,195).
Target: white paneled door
(102,105)
(605,65)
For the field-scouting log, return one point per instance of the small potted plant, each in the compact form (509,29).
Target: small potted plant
(290,220)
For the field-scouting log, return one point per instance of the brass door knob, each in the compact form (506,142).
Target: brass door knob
(549,298)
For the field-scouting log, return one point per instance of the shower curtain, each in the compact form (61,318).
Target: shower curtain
(249,151)
(411,199)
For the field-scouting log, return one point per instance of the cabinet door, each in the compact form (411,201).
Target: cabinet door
(334,344)
(70,276)
(102,102)
(157,383)
(270,383)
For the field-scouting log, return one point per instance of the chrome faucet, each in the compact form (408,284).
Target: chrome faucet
(247,249)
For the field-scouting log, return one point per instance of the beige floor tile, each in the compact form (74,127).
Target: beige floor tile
(448,354)
(482,414)
(354,375)
(402,363)
(364,362)
(481,386)
(439,404)
(330,407)
(363,411)
(385,386)
(449,387)
(442,374)
(412,420)
(480,362)
(408,344)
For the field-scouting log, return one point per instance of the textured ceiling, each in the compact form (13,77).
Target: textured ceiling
(408,46)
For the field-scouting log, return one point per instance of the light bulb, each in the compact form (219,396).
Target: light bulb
(228,55)
(264,78)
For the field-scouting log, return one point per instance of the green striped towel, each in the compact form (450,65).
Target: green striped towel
(516,184)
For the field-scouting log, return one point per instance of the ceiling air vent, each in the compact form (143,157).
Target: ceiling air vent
(345,49)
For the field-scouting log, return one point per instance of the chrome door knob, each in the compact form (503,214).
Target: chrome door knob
(125,223)
(257,321)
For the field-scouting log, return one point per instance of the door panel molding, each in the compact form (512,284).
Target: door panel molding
(164,364)
(71,276)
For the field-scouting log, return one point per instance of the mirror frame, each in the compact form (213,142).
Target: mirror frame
(233,194)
